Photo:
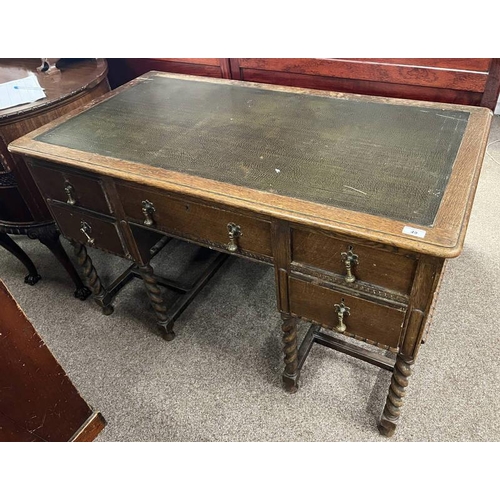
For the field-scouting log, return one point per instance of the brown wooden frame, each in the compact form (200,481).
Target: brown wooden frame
(460,81)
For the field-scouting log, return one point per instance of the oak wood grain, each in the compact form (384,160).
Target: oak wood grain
(374,266)
(380,324)
(282,253)
(87,192)
(103,230)
(197,221)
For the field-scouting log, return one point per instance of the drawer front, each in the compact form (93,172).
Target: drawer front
(102,231)
(368,320)
(73,189)
(381,268)
(199,223)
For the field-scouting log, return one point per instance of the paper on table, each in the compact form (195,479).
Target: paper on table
(20,91)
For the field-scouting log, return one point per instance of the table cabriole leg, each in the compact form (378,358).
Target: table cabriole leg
(50,238)
(291,372)
(91,276)
(11,246)
(394,401)
(156,299)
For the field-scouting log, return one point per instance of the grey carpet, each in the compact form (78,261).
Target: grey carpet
(219,380)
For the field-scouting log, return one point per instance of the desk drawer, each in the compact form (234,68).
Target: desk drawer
(102,230)
(386,269)
(375,322)
(73,189)
(196,222)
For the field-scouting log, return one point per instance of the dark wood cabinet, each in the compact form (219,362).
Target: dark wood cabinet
(124,70)
(461,81)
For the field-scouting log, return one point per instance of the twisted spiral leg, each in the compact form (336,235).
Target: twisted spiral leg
(50,238)
(290,373)
(156,299)
(91,277)
(397,390)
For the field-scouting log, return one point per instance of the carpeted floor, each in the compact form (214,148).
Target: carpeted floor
(219,380)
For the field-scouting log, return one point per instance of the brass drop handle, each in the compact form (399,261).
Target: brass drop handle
(350,259)
(86,229)
(148,209)
(341,310)
(234,234)
(70,193)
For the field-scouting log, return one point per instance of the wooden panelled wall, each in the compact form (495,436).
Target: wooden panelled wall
(461,81)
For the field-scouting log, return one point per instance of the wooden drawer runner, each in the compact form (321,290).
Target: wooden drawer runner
(385,269)
(196,222)
(103,230)
(86,191)
(368,320)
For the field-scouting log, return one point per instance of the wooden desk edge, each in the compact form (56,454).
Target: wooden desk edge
(446,245)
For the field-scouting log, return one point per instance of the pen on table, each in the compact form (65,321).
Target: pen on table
(17,87)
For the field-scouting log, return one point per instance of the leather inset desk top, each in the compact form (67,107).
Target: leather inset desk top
(382,159)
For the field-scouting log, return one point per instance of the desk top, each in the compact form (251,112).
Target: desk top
(362,165)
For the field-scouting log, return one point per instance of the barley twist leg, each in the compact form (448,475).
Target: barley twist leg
(397,390)
(91,277)
(156,299)
(290,373)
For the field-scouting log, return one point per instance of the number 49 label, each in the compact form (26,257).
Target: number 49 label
(412,231)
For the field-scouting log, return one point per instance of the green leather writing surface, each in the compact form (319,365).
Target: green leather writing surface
(382,159)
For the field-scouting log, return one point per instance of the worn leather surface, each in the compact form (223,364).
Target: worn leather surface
(382,159)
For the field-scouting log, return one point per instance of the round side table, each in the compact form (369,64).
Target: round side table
(22,208)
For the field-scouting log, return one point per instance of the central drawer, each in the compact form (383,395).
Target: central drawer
(196,222)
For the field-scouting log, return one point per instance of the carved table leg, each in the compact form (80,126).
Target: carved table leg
(394,402)
(291,372)
(92,277)
(50,238)
(157,302)
(422,296)
(10,245)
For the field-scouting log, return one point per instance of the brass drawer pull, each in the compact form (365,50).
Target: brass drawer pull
(86,229)
(234,234)
(341,310)
(350,259)
(70,193)
(148,209)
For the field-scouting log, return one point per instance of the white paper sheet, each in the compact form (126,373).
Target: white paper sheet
(20,91)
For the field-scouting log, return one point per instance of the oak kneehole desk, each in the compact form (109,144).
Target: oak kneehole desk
(356,201)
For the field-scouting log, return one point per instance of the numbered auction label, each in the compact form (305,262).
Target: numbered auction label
(412,231)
